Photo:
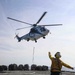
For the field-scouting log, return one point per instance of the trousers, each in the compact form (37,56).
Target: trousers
(55,73)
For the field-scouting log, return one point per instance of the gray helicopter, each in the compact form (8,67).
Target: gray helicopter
(36,31)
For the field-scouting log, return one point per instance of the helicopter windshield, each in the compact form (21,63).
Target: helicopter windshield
(42,29)
(33,30)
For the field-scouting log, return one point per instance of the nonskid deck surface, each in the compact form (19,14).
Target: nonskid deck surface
(32,73)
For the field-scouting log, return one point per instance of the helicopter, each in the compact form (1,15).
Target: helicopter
(36,31)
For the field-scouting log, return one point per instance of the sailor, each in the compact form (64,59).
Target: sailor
(57,64)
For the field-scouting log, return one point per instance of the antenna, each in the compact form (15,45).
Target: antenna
(33,55)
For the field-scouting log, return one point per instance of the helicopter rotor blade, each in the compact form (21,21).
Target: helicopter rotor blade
(19,21)
(52,25)
(23,28)
(41,17)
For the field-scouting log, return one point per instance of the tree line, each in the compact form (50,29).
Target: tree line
(26,67)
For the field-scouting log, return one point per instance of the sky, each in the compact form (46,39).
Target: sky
(61,39)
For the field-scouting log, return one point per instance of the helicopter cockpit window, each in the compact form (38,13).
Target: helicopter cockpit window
(33,30)
(43,29)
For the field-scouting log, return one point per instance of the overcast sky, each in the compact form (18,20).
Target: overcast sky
(62,38)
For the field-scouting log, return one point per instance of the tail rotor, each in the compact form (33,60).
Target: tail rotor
(18,38)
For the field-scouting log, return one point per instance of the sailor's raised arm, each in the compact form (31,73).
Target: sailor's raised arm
(49,54)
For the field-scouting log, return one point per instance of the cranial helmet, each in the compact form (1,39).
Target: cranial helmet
(57,55)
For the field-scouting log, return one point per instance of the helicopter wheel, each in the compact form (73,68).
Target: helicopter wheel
(28,39)
(44,37)
(35,40)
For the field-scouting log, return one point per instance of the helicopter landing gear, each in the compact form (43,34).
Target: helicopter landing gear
(35,40)
(28,39)
(44,37)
